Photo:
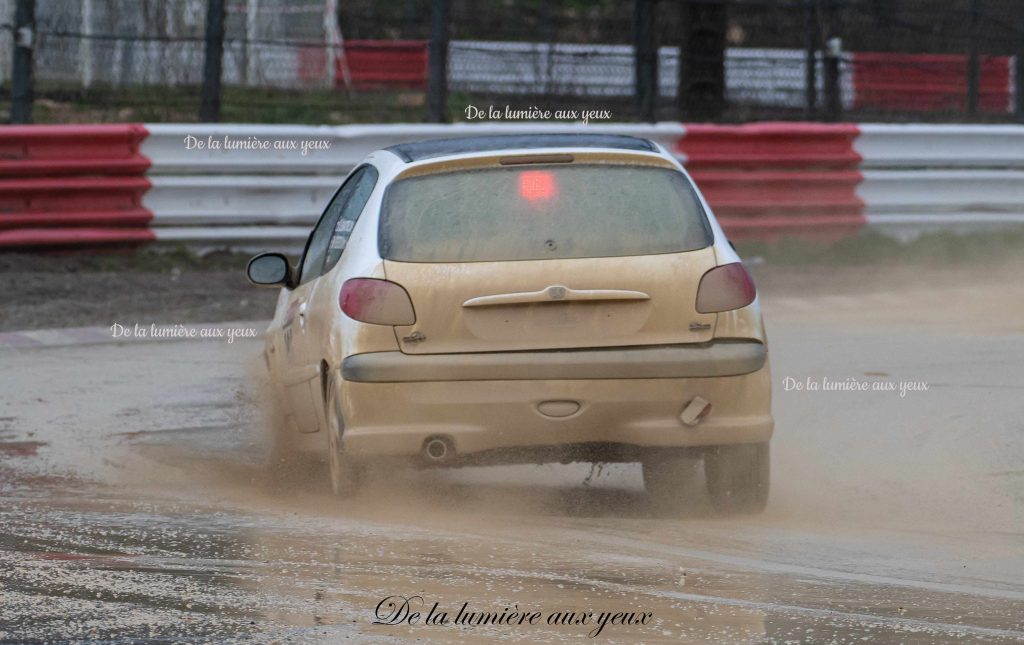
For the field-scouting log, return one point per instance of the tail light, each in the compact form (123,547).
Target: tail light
(725,288)
(378,302)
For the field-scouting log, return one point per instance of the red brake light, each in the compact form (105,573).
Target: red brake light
(725,288)
(378,302)
(536,184)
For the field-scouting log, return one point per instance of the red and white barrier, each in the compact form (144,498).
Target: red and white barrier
(773,179)
(272,197)
(921,178)
(92,185)
(72,185)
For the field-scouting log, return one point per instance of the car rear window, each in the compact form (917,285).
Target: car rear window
(537,212)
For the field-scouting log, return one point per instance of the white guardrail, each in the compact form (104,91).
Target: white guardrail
(915,178)
(260,198)
(925,178)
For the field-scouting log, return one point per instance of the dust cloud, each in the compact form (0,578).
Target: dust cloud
(945,459)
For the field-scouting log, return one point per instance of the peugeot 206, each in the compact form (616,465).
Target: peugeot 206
(523,299)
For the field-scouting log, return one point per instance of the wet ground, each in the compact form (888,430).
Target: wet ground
(135,505)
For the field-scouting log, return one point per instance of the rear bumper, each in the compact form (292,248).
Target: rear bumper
(395,418)
(717,359)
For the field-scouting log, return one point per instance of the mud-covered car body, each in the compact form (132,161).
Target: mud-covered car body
(519,298)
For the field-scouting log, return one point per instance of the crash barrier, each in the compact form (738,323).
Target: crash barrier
(922,178)
(261,186)
(773,179)
(272,196)
(72,185)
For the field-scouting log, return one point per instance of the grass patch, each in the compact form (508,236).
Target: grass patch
(68,103)
(123,260)
(56,103)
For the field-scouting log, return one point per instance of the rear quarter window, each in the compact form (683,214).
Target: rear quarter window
(538,212)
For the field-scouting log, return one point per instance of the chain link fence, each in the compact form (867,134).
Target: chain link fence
(334,61)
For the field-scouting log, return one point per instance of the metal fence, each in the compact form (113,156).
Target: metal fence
(118,43)
(369,61)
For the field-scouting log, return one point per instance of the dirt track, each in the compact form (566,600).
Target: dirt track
(64,290)
(137,504)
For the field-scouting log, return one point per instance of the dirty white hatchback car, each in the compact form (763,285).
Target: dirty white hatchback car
(523,298)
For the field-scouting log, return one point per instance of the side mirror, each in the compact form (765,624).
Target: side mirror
(270,270)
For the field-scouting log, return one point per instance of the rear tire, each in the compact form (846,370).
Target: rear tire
(346,474)
(738,477)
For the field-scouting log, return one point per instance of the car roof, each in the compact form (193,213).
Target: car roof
(434,148)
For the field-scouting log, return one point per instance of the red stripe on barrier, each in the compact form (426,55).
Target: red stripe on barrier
(64,201)
(770,145)
(772,179)
(785,193)
(78,185)
(47,150)
(64,237)
(927,82)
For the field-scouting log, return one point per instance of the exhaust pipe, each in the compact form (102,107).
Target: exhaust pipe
(438,450)
(695,411)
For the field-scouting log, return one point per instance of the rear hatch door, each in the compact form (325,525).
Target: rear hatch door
(547,256)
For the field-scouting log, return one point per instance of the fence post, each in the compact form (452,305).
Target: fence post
(973,65)
(833,86)
(335,51)
(701,95)
(209,106)
(832,61)
(249,69)
(645,60)
(812,43)
(1018,73)
(22,78)
(437,76)
(85,45)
